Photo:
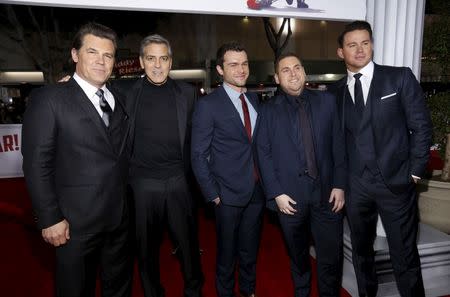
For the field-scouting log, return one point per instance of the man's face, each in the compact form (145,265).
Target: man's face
(156,63)
(94,60)
(357,50)
(235,69)
(290,75)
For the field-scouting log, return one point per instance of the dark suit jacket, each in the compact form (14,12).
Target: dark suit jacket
(75,168)
(400,122)
(278,149)
(222,156)
(185,97)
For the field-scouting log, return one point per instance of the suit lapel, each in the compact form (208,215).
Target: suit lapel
(85,103)
(123,121)
(230,109)
(253,98)
(181,106)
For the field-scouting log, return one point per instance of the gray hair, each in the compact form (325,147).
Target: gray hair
(154,38)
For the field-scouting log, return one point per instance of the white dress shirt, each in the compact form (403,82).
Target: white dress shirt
(90,91)
(234,97)
(366,80)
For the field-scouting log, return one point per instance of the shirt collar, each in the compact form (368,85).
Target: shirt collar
(366,71)
(232,93)
(88,89)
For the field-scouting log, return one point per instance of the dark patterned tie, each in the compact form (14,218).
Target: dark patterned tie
(307,138)
(104,106)
(359,98)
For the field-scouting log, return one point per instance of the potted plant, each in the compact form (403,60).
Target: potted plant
(434,193)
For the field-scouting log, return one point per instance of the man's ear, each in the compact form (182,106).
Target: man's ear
(276,79)
(340,53)
(141,61)
(74,54)
(219,69)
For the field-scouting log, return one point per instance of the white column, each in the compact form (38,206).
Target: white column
(397,32)
(397,27)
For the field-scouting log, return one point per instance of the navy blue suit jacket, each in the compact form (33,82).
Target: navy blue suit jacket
(278,150)
(401,124)
(221,153)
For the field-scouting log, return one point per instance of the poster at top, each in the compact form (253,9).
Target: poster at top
(344,10)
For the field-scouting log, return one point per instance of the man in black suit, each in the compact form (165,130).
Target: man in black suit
(388,136)
(224,125)
(301,157)
(161,109)
(75,160)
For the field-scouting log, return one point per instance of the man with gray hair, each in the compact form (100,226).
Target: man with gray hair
(160,109)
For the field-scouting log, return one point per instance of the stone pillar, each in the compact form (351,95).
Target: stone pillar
(397,31)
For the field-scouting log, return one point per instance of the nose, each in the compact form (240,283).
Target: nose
(100,59)
(157,63)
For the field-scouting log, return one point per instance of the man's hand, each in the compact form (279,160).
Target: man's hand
(217,201)
(57,234)
(284,204)
(65,78)
(337,196)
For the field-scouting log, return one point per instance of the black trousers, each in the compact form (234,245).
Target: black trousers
(157,202)
(316,218)
(79,260)
(238,232)
(368,196)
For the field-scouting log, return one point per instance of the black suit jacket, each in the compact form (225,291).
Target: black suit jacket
(400,122)
(185,98)
(278,147)
(75,168)
(222,155)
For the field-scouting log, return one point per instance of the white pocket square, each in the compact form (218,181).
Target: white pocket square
(387,96)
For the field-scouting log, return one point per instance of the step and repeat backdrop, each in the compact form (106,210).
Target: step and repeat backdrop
(10,155)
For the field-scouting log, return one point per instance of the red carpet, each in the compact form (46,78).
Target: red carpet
(27,262)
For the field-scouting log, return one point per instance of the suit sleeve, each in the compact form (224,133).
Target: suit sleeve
(39,132)
(202,134)
(272,187)
(418,122)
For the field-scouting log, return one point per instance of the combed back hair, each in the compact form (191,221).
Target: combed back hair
(285,55)
(356,25)
(95,29)
(154,38)
(230,46)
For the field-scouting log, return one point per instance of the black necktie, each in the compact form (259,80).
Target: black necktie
(307,138)
(359,98)
(104,106)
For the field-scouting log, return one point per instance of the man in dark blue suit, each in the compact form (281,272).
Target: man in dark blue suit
(387,129)
(301,157)
(223,127)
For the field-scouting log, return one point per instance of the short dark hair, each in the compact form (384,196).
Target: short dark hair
(230,46)
(356,25)
(95,29)
(283,56)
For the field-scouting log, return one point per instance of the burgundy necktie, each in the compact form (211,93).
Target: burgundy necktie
(248,129)
(247,123)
